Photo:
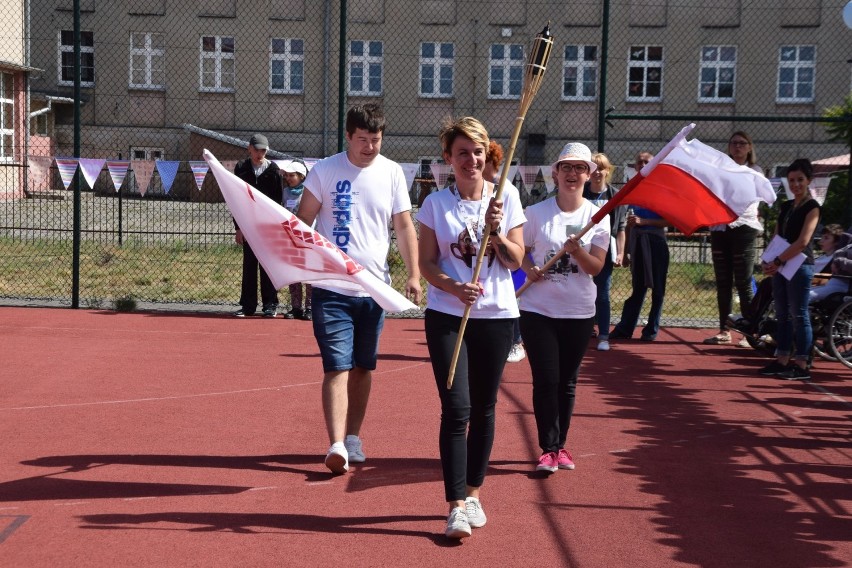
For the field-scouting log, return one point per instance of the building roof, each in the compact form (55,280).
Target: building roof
(230,140)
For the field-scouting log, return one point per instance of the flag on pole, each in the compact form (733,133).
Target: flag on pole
(290,251)
(692,185)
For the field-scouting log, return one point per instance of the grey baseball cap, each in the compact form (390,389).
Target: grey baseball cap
(259,141)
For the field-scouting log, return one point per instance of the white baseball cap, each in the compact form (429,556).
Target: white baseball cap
(576,152)
(295,167)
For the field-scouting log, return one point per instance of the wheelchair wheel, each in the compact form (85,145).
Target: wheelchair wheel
(840,333)
(822,339)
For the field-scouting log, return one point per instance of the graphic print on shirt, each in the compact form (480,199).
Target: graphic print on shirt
(563,266)
(465,249)
(342,211)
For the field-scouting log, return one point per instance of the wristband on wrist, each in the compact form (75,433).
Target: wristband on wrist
(778,262)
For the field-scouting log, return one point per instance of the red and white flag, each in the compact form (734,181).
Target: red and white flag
(692,185)
(290,251)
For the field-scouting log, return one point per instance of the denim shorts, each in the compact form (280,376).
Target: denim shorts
(347,330)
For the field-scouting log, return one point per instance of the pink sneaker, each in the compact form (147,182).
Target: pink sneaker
(547,462)
(564,460)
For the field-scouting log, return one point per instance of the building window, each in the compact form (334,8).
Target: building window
(796,70)
(580,73)
(645,73)
(146,153)
(87,58)
(366,61)
(217,64)
(506,76)
(7,117)
(436,69)
(147,61)
(718,74)
(287,66)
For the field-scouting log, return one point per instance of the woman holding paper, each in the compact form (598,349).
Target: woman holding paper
(797,222)
(557,316)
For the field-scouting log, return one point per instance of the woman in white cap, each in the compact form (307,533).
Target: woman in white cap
(557,312)
(295,173)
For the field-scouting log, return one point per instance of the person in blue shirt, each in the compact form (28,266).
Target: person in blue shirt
(648,259)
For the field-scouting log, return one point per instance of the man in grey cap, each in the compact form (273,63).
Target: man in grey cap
(265,176)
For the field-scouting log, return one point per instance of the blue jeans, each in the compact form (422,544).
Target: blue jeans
(603,306)
(791,309)
(347,330)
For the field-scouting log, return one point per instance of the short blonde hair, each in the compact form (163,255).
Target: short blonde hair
(466,126)
(603,163)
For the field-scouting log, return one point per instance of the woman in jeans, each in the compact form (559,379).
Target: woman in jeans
(797,222)
(557,312)
(733,249)
(453,222)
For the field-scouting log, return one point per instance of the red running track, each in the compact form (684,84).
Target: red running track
(161,439)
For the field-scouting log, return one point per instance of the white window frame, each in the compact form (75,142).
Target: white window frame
(147,153)
(7,131)
(289,59)
(582,66)
(151,56)
(648,66)
(219,57)
(367,63)
(798,66)
(86,52)
(511,67)
(715,58)
(437,64)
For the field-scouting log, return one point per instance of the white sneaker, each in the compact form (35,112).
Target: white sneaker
(516,354)
(603,345)
(355,449)
(337,458)
(475,512)
(457,525)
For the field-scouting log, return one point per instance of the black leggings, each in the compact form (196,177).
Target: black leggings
(733,263)
(555,348)
(471,402)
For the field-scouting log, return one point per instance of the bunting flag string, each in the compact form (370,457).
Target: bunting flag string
(143,170)
(117,172)
(441,172)
(91,169)
(168,170)
(409,171)
(67,168)
(39,169)
(199,172)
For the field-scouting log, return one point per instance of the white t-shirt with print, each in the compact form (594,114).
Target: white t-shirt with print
(358,205)
(564,291)
(450,217)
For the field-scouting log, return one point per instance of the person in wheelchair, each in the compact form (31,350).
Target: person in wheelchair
(836,261)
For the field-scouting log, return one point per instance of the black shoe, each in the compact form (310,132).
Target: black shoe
(774,368)
(242,312)
(615,334)
(289,315)
(270,311)
(308,315)
(794,373)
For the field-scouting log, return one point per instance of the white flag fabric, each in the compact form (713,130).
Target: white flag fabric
(290,251)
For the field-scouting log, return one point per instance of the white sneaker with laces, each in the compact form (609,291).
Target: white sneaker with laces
(516,354)
(475,512)
(337,458)
(603,345)
(457,524)
(355,449)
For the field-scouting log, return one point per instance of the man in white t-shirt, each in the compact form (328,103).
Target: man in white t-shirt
(355,197)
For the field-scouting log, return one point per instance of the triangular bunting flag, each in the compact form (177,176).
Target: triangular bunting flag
(529,175)
(143,169)
(168,170)
(199,171)
(91,168)
(309,162)
(67,168)
(229,165)
(441,172)
(409,171)
(547,174)
(510,177)
(117,172)
(39,169)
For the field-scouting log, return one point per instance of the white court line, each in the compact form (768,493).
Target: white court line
(831,395)
(161,398)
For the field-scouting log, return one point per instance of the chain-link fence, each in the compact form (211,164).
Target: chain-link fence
(160,81)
